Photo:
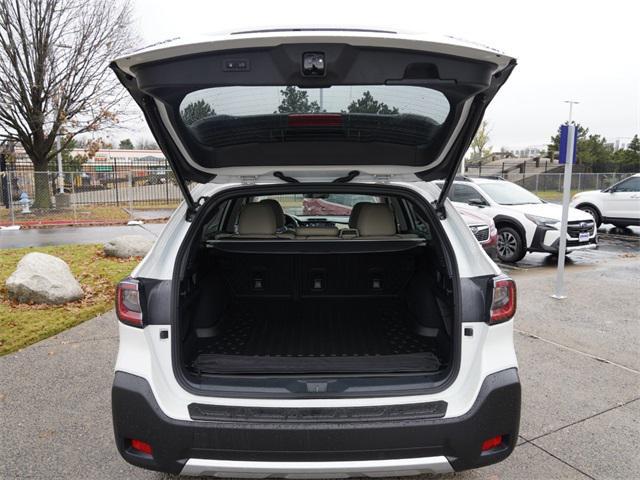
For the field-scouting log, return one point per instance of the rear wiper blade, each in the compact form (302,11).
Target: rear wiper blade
(347,178)
(285,178)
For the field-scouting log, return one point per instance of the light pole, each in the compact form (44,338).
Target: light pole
(560,292)
(571,104)
(60,172)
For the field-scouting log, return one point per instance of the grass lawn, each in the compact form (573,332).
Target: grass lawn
(22,325)
(553,195)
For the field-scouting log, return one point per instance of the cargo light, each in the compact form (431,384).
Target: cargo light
(503,304)
(128,308)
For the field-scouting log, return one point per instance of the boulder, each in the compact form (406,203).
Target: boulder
(127,246)
(42,278)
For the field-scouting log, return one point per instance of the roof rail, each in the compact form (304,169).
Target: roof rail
(463,178)
(494,177)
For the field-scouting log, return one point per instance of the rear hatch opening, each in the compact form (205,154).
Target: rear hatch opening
(325,299)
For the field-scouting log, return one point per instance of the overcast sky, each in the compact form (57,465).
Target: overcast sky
(581,50)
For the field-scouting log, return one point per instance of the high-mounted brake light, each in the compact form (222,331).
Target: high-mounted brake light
(503,304)
(128,306)
(315,120)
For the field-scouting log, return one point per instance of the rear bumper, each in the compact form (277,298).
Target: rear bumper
(299,447)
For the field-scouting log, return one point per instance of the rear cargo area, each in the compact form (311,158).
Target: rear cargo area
(340,337)
(373,312)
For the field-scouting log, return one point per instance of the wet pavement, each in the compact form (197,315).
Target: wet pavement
(614,243)
(73,235)
(156,214)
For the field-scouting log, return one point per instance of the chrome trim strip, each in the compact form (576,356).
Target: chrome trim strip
(307,470)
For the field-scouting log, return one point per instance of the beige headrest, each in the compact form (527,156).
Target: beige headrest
(277,210)
(376,219)
(355,211)
(257,219)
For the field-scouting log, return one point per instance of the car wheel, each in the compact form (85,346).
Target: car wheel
(510,245)
(593,211)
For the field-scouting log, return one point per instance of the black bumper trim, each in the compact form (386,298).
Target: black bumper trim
(136,414)
(200,411)
(537,244)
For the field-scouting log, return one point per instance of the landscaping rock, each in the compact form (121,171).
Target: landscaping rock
(42,278)
(127,246)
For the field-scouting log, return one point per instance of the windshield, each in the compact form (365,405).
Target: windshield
(507,193)
(403,114)
(332,205)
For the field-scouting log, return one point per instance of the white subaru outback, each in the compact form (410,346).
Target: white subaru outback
(260,338)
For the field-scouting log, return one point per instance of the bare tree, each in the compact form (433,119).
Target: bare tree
(54,78)
(480,144)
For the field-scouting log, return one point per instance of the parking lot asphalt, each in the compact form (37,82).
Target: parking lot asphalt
(579,367)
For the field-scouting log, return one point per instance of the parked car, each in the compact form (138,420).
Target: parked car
(525,222)
(256,343)
(482,227)
(618,204)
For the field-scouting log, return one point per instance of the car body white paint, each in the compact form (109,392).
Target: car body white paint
(620,205)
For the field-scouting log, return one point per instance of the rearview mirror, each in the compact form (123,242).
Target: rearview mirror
(476,202)
(316,195)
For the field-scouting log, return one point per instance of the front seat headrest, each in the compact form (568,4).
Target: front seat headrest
(355,211)
(277,211)
(376,219)
(257,219)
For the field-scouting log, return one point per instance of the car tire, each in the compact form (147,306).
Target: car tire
(593,211)
(510,245)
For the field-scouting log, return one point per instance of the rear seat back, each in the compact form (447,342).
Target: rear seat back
(309,276)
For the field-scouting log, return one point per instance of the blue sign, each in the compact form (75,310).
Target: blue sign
(565,131)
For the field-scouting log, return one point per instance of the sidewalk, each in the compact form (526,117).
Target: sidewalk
(578,365)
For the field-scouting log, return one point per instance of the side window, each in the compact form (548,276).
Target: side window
(465,194)
(214,225)
(629,185)
(420,225)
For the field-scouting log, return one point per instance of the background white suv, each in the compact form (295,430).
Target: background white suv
(618,204)
(262,336)
(524,221)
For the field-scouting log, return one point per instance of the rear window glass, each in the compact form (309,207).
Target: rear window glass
(403,114)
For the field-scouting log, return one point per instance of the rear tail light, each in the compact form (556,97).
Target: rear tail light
(128,306)
(503,304)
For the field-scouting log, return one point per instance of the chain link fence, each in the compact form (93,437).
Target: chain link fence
(32,199)
(553,182)
(40,199)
